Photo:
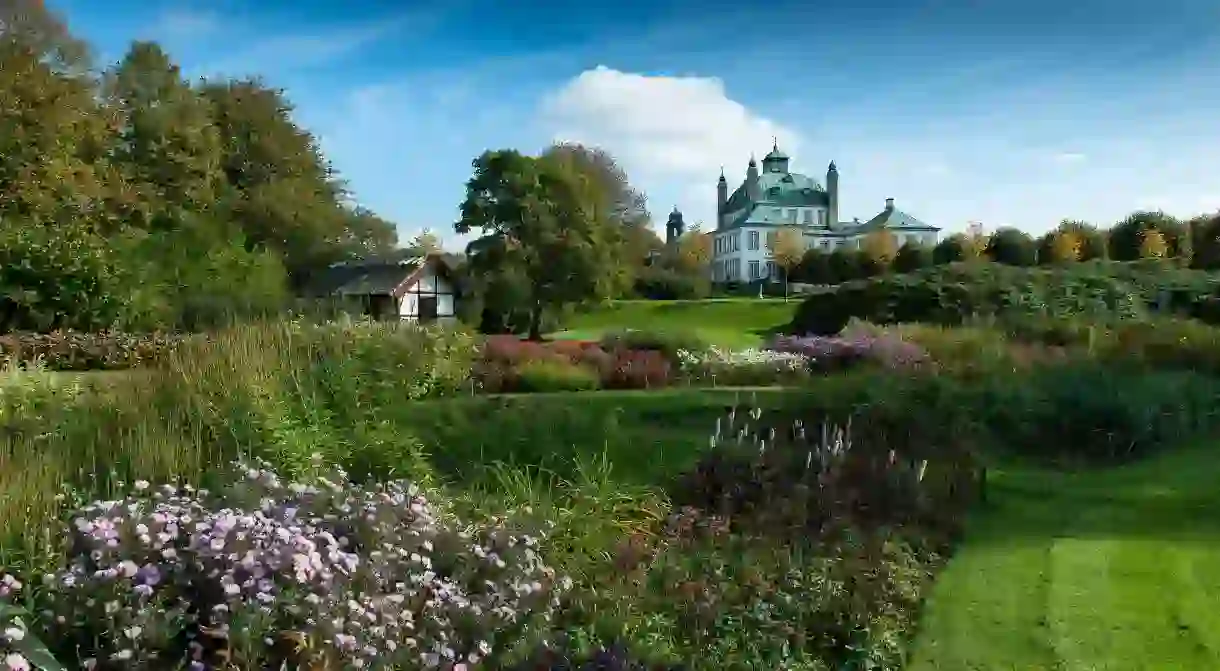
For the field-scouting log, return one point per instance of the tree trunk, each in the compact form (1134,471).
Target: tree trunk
(536,322)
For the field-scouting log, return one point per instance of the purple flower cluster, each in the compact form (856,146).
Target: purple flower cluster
(833,352)
(351,577)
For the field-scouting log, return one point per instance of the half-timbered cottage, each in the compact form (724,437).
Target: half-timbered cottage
(417,288)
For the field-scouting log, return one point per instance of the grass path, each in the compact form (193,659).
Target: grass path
(1114,570)
(735,322)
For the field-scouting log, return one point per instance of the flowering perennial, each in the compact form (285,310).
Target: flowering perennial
(838,351)
(322,574)
(730,364)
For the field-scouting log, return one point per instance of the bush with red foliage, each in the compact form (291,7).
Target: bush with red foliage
(498,369)
(639,369)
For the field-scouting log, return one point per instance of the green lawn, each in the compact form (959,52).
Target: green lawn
(1113,570)
(728,322)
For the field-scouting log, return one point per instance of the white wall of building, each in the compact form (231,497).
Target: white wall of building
(743,254)
(429,285)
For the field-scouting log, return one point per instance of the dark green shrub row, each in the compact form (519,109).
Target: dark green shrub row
(1068,411)
(81,351)
(958,292)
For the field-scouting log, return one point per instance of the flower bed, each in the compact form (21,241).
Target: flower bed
(314,574)
(509,364)
(741,367)
(827,353)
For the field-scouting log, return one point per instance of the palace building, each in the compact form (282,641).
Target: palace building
(748,219)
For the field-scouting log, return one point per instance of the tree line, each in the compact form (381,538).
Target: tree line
(1193,243)
(131,198)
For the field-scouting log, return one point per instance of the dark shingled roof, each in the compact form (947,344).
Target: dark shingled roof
(370,277)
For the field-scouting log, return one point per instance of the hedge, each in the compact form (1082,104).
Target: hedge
(955,293)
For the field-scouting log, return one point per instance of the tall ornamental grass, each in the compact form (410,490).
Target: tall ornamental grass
(279,391)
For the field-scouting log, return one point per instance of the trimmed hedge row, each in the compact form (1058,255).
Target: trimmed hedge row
(955,293)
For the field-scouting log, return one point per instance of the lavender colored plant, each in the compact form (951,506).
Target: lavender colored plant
(836,352)
(319,574)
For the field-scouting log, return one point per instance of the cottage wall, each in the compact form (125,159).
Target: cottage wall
(429,286)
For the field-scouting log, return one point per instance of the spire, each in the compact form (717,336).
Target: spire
(774,143)
(722,173)
(752,161)
(832,167)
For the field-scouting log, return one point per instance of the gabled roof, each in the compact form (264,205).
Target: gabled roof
(374,277)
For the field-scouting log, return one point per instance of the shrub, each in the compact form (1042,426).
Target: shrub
(320,573)
(614,658)
(639,369)
(829,353)
(547,375)
(742,367)
(667,343)
(504,359)
(80,351)
(957,292)
(814,474)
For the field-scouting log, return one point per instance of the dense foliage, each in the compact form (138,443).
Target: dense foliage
(137,200)
(77,351)
(956,293)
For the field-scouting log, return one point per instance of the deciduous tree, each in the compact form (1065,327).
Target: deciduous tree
(1061,246)
(545,223)
(844,265)
(881,246)
(911,257)
(951,250)
(628,205)
(1127,236)
(1153,244)
(787,249)
(694,252)
(1012,247)
(426,242)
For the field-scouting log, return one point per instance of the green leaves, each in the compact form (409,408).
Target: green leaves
(29,645)
(549,239)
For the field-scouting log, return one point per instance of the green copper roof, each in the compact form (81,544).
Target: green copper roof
(781,189)
(775,155)
(895,219)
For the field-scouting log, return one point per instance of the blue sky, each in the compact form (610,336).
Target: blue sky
(1003,112)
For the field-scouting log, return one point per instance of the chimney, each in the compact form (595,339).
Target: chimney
(889,203)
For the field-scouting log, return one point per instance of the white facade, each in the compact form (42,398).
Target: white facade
(430,297)
(744,255)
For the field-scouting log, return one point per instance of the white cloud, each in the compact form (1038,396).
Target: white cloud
(184,23)
(671,133)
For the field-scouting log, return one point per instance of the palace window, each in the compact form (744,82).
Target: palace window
(754,270)
(808,217)
(770,269)
(753,240)
(770,239)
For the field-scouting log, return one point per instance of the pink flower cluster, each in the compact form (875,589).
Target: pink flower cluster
(837,352)
(356,577)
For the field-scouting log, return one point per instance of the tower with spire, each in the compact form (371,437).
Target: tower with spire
(674,228)
(832,195)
